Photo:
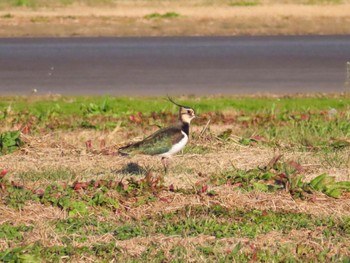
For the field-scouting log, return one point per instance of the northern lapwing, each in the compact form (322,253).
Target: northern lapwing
(165,142)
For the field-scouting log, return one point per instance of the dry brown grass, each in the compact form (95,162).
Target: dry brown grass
(33,214)
(273,240)
(67,151)
(219,19)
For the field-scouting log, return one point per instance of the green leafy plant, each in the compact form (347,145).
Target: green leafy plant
(96,109)
(102,199)
(9,141)
(327,185)
(278,175)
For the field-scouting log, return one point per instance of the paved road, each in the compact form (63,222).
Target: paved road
(159,66)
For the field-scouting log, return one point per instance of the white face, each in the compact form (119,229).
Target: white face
(187,114)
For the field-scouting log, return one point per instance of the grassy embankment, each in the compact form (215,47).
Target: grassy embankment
(242,190)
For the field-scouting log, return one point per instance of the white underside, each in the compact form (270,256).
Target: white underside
(176,147)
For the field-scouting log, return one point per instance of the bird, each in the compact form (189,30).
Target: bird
(165,142)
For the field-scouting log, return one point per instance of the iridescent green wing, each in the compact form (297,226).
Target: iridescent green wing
(158,143)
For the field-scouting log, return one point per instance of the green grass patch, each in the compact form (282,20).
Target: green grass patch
(38,253)
(199,220)
(196,149)
(243,2)
(313,131)
(119,106)
(53,3)
(279,175)
(314,123)
(220,222)
(7,16)
(211,251)
(84,227)
(15,233)
(15,195)
(162,16)
(47,176)
(80,197)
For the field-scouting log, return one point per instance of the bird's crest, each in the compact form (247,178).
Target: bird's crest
(179,105)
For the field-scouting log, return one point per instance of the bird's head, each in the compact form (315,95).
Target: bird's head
(186,114)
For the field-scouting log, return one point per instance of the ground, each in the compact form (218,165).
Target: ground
(34,18)
(243,189)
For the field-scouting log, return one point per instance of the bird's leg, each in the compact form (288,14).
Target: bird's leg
(165,164)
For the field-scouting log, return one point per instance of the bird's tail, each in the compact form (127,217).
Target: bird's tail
(129,149)
(123,150)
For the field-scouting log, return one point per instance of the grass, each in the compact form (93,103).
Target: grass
(117,106)
(112,18)
(159,16)
(55,3)
(309,123)
(268,179)
(190,222)
(243,3)
(49,175)
(324,2)
(64,3)
(13,233)
(7,16)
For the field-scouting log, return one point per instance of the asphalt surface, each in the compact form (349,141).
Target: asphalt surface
(174,66)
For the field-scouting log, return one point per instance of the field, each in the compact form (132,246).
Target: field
(63,18)
(262,179)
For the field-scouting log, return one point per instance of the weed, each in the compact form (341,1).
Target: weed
(96,109)
(326,184)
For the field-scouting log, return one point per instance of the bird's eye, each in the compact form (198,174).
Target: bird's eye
(188,111)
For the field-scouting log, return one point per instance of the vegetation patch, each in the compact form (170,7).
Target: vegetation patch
(261,179)
(9,141)
(243,3)
(277,175)
(324,2)
(7,16)
(11,232)
(165,15)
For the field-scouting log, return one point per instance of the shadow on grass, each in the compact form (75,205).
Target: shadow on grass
(132,169)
